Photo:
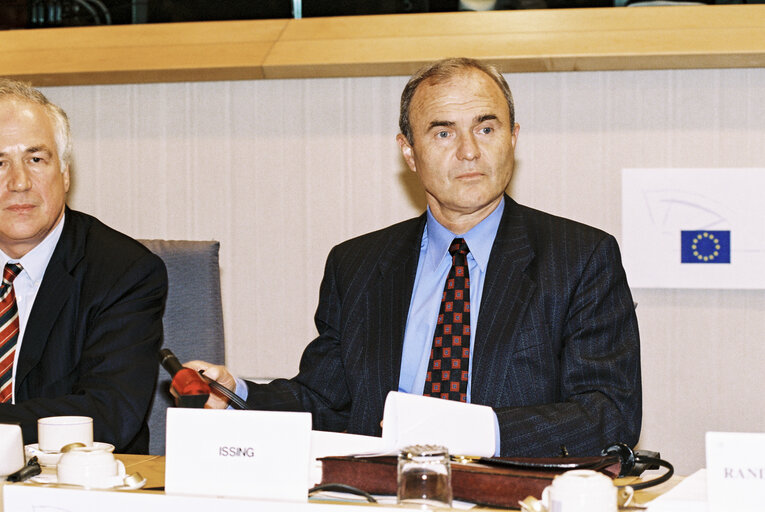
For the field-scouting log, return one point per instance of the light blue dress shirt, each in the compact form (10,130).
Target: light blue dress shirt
(432,269)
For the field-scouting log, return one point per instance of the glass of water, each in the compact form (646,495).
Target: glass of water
(424,477)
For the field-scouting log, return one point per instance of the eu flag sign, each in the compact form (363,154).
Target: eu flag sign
(705,246)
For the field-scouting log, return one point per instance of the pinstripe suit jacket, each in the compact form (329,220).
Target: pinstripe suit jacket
(556,351)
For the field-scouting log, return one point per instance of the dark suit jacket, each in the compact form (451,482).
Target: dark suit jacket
(91,341)
(556,351)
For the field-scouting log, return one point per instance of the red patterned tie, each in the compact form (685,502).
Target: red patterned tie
(9,330)
(450,356)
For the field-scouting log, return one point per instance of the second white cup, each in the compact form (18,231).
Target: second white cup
(95,468)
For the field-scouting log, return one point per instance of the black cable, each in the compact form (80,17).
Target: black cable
(652,461)
(349,489)
(633,463)
(234,399)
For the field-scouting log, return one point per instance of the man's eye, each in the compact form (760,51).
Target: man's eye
(36,159)
(486,130)
(442,134)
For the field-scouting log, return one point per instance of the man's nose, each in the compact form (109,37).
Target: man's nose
(18,178)
(468,148)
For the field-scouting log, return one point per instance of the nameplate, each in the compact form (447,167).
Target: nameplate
(245,454)
(735,471)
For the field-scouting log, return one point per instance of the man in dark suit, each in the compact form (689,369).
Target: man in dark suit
(553,338)
(85,323)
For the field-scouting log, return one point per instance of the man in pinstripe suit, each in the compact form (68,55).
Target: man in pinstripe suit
(554,346)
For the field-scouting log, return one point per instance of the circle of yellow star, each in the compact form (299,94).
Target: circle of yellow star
(705,257)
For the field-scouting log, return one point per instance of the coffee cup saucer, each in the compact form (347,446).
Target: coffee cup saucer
(130,482)
(49,458)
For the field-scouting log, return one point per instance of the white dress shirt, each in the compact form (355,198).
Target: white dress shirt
(27,283)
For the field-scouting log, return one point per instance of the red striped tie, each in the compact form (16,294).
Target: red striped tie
(9,330)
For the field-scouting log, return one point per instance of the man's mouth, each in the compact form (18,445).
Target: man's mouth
(20,208)
(469,174)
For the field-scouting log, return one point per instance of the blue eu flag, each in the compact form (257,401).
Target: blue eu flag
(705,246)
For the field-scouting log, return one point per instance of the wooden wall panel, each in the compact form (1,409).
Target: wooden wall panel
(666,37)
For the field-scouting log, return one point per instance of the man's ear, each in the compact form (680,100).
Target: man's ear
(514,136)
(406,151)
(65,172)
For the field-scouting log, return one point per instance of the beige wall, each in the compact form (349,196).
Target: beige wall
(279,171)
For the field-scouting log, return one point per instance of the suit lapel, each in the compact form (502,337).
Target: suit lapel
(507,290)
(54,292)
(390,307)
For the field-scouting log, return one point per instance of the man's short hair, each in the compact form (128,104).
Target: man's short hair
(442,71)
(62,133)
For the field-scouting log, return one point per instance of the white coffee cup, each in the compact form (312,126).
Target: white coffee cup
(91,467)
(55,432)
(581,490)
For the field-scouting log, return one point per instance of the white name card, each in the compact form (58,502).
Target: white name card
(735,471)
(247,454)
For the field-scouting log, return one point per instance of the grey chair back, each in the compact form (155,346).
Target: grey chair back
(193,319)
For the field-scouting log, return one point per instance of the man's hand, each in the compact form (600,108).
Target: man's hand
(219,374)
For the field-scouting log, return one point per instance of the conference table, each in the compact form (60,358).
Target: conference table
(152,468)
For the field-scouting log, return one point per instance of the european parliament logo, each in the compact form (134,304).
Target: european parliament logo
(705,246)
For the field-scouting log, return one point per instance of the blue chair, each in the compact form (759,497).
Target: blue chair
(193,319)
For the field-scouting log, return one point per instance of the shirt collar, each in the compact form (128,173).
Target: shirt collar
(480,238)
(36,261)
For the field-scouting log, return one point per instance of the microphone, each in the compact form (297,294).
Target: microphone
(187,387)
